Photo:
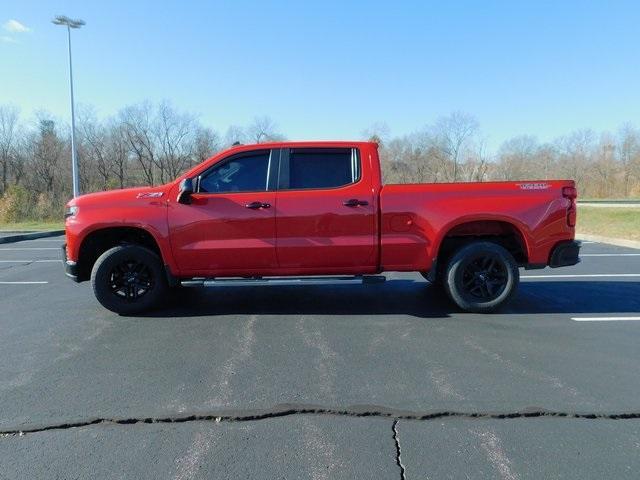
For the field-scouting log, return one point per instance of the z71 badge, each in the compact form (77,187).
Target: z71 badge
(149,195)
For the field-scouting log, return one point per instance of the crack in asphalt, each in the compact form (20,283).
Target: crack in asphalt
(287,411)
(396,439)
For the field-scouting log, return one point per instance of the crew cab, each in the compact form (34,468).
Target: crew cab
(315,212)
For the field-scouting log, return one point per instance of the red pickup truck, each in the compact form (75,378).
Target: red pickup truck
(314,212)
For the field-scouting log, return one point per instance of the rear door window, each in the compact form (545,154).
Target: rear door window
(315,168)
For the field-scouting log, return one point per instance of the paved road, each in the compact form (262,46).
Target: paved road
(377,381)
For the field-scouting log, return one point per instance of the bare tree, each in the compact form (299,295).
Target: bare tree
(118,148)
(46,152)
(174,138)
(429,161)
(138,130)
(263,129)
(476,166)
(93,139)
(575,154)
(604,167)
(377,132)
(19,159)
(207,142)
(395,168)
(629,153)
(451,135)
(163,141)
(517,158)
(9,138)
(235,134)
(546,160)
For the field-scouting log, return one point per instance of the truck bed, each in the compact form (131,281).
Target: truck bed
(415,218)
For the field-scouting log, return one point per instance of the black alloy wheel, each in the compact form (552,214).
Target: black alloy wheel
(484,277)
(481,276)
(129,279)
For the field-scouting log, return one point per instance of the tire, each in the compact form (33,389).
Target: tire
(129,279)
(481,277)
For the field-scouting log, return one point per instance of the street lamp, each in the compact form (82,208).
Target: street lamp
(69,23)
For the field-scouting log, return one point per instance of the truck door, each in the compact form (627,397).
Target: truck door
(229,227)
(325,220)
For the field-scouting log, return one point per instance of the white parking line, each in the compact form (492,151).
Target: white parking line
(604,319)
(30,248)
(610,255)
(22,283)
(31,261)
(584,275)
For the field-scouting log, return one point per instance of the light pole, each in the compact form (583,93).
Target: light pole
(69,23)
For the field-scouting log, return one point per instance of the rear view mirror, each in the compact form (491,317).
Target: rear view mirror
(186,189)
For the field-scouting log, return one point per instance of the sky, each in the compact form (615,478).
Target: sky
(330,69)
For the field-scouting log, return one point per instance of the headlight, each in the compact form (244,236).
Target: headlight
(71,211)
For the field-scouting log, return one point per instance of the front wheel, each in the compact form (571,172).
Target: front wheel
(481,277)
(128,279)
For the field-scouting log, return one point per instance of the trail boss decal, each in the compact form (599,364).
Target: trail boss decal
(533,186)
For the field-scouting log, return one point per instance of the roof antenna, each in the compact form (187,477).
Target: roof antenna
(235,144)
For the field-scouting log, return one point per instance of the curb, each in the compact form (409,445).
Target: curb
(30,236)
(620,242)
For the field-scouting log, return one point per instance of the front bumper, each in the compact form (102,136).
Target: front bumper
(565,254)
(70,267)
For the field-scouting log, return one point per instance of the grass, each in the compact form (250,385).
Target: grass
(34,225)
(586,200)
(610,222)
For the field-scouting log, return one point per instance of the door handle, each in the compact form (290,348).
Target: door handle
(354,202)
(257,205)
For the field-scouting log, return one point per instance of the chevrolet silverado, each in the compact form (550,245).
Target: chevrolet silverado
(311,213)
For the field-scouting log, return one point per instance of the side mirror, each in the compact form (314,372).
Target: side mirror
(186,189)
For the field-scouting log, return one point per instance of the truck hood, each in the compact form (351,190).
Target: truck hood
(123,195)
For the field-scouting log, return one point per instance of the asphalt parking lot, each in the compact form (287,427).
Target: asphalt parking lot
(324,382)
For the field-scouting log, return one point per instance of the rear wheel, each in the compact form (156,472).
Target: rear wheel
(128,279)
(481,277)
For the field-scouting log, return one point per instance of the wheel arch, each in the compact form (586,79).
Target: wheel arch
(98,241)
(504,231)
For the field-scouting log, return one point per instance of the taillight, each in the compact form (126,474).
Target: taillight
(571,193)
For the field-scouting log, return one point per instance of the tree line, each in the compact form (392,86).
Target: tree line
(143,144)
(604,165)
(150,144)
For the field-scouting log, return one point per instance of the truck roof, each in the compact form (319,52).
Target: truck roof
(304,143)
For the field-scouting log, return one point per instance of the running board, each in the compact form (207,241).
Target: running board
(262,281)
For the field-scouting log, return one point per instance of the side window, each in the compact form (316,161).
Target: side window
(323,167)
(246,173)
